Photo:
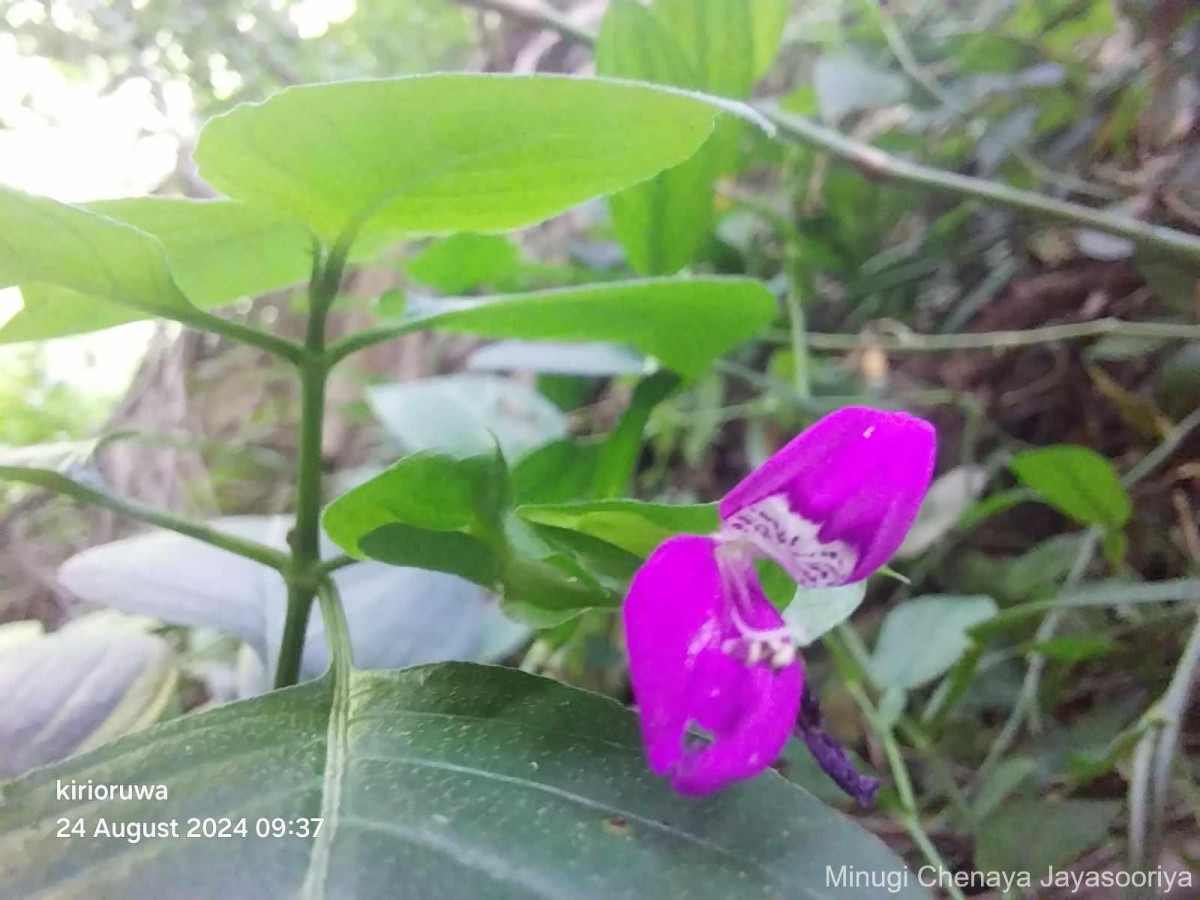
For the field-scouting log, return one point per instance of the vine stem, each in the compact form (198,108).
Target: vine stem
(303,574)
(876,163)
(845,647)
(139,512)
(901,340)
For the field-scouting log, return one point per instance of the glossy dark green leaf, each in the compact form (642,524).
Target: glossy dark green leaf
(441,153)
(439,781)
(558,472)
(429,511)
(1078,482)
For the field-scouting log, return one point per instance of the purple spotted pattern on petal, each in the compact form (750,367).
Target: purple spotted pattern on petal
(707,717)
(833,505)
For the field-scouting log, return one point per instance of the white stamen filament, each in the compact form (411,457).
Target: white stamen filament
(774,646)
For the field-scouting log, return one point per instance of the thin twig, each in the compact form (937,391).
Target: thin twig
(901,340)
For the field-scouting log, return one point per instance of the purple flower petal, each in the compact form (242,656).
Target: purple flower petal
(707,717)
(833,505)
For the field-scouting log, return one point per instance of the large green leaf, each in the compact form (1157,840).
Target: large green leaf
(448,781)
(1078,482)
(683,322)
(46,242)
(216,252)
(443,153)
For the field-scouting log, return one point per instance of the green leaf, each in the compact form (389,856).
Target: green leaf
(1107,593)
(438,781)
(629,524)
(922,638)
(429,511)
(49,243)
(1173,281)
(769,20)
(441,153)
(717,38)
(662,222)
(558,472)
(1073,648)
(464,261)
(619,459)
(814,611)
(1031,835)
(686,323)
(465,414)
(1078,482)
(215,253)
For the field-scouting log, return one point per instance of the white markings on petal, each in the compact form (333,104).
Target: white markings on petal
(774,529)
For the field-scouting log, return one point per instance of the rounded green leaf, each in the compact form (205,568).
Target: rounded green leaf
(442,153)
(922,638)
(1078,482)
(439,781)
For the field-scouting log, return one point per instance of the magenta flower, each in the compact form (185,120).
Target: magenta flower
(716,674)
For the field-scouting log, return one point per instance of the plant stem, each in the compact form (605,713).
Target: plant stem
(901,340)
(911,817)
(139,512)
(303,574)
(244,334)
(337,631)
(795,308)
(876,163)
(853,660)
(1149,782)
